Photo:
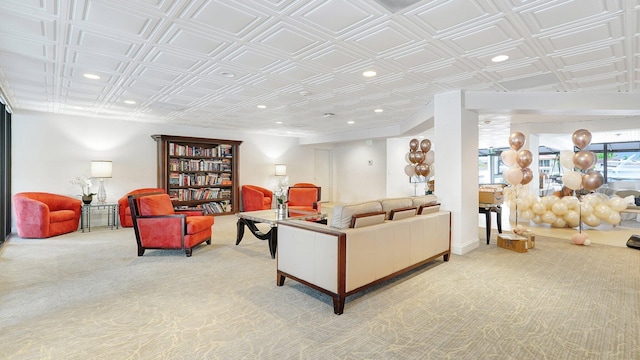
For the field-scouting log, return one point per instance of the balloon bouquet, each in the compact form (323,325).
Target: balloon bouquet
(585,178)
(518,161)
(420,158)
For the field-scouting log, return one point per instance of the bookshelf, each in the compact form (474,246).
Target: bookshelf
(199,172)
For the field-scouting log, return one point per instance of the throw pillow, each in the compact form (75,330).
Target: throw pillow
(399,214)
(368,219)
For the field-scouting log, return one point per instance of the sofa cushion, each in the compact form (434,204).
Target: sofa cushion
(156,205)
(367,219)
(399,214)
(342,213)
(428,209)
(61,215)
(395,203)
(423,200)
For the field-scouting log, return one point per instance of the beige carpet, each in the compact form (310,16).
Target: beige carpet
(88,296)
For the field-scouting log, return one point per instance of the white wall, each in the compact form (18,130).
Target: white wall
(355,179)
(50,150)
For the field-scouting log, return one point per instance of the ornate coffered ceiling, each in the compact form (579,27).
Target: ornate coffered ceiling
(210,63)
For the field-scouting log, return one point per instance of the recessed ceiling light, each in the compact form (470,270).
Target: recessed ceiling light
(279,122)
(500,58)
(91,76)
(130,102)
(262,106)
(329,115)
(305,93)
(378,110)
(351,122)
(369,73)
(227,74)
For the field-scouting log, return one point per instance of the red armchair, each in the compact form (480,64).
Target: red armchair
(157,226)
(304,196)
(42,215)
(123,204)
(256,198)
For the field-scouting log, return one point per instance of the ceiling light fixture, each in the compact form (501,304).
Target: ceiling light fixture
(227,74)
(130,102)
(262,106)
(378,110)
(369,73)
(279,122)
(91,76)
(329,115)
(499,58)
(305,93)
(351,122)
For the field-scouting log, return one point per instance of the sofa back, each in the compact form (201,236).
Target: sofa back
(343,213)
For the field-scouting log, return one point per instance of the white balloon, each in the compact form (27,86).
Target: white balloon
(548,201)
(572,202)
(559,223)
(602,211)
(526,214)
(591,220)
(514,176)
(614,218)
(586,209)
(430,157)
(572,218)
(572,180)
(536,219)
(538,208)
(617,203)
(559,208)
(509,157)
(548,217)
(566,159)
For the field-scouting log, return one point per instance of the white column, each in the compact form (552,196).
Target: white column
(456,180)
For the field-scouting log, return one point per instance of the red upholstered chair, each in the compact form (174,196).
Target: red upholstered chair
(42,215)
(256,198)
(123,204)
(304,196)
(157,226)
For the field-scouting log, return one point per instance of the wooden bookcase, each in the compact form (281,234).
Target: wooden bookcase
(199,172)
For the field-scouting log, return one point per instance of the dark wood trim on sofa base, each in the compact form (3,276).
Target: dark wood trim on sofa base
(340,297)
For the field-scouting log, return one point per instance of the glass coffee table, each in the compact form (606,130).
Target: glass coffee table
(271,217)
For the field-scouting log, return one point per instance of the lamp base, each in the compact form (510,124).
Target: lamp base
(102,193)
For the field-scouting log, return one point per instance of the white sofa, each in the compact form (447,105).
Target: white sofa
(339,259)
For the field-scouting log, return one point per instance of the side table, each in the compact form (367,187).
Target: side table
(112,215)
(486,209)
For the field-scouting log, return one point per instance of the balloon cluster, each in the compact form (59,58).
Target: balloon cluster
(420,158)
(584,160)
(593,210)
(517,160)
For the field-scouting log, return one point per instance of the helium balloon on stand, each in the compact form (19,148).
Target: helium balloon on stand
(581,138)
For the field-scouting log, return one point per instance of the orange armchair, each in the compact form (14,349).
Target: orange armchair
(123,204)
(157,226)
(256,198)
(304,196)
(42,215)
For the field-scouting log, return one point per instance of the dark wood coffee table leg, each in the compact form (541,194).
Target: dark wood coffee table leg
(271,235)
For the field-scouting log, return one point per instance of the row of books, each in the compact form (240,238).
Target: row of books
(182,179)
(199,194)
(211,207)
(221,150)
(199,165)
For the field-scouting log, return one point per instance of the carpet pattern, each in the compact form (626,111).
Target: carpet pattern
(88,296)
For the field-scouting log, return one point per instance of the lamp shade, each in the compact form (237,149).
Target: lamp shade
(101,168)
(281,170)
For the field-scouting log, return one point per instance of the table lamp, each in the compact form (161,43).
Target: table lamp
(281,170)
(101,169)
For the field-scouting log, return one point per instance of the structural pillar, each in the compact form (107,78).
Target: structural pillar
(456,136)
